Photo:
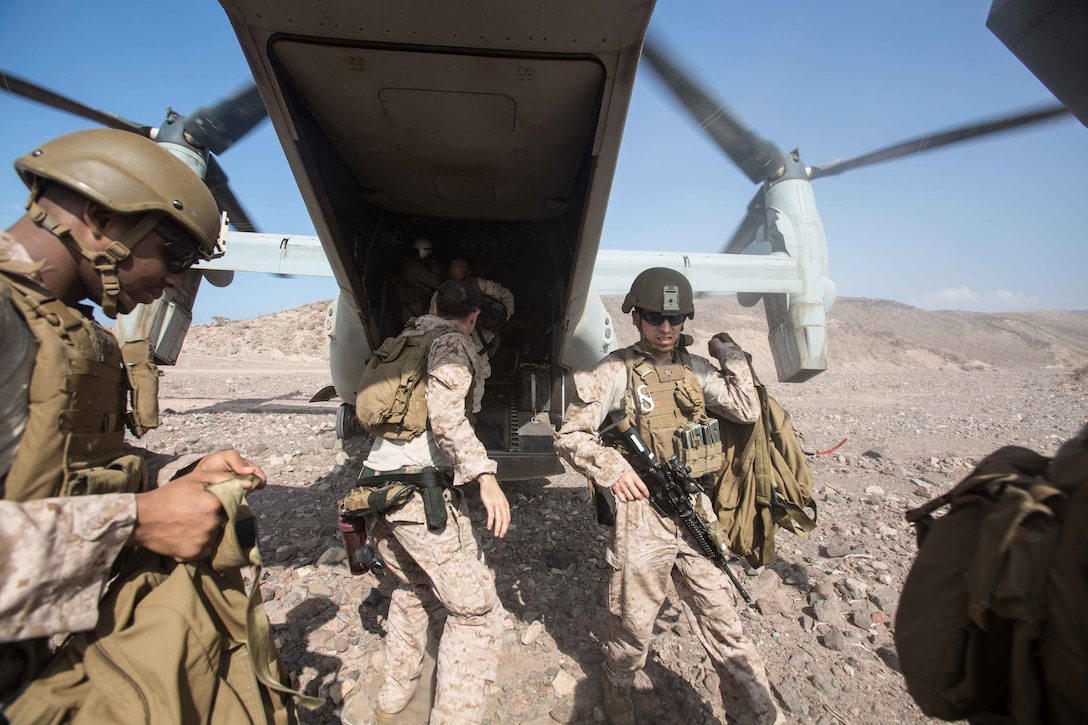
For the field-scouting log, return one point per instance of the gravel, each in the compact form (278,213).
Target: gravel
(918,397)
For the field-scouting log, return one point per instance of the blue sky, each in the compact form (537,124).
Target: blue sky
(993,225)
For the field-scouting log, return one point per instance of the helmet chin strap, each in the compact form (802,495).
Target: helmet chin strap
(114,299)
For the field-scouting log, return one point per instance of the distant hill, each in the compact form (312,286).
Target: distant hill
(863,333)
(884,335)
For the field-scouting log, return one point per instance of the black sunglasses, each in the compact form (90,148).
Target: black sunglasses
(656,318)
(180,254)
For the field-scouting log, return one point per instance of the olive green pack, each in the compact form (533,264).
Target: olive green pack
(174,643)
(388,404)
(991,620)
(765,483)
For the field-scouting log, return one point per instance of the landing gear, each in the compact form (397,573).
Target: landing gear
(347,425)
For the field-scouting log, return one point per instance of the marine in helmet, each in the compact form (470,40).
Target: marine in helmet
(661,389)
(115,219)
(428,542)
(496,308)
(417,280)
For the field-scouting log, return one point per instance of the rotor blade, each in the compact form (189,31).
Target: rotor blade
(746,231)
(19,87)
(943,138)
(216,180)
(218,127)
(758,158)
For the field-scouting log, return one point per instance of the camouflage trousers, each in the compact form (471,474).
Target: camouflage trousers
(447,567)
(646,550)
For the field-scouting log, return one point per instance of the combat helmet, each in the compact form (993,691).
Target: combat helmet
(660,289)
(127,174)
(423,247)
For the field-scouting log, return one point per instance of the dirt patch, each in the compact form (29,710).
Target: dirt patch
(918,397)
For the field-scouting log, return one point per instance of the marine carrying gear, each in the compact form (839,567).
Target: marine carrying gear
(390,403)
(660,289)
(765,483)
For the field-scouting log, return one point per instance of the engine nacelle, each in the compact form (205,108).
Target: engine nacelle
(797,322)
(590,336)
(164,322)
(349,349)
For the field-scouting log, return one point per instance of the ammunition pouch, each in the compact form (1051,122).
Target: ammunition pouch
(143,384)
(699,447)
(381,492)
(125,474)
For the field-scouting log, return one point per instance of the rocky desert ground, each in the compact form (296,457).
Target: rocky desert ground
(919,397)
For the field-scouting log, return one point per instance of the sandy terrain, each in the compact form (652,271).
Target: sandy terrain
(918,397)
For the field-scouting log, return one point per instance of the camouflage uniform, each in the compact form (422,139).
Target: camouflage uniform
(57,557)
(486,339)
(445,565)
(646,549)
(418,279)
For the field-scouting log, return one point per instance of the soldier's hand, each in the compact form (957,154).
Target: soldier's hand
(179,519)
(722,344)
(630,488)
(494,500)
(229,461)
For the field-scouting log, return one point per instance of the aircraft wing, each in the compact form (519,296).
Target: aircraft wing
(613,271)
(288,254)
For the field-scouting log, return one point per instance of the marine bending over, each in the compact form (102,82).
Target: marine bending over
(116,219)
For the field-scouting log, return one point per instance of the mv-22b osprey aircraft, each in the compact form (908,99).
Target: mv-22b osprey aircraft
(493,131)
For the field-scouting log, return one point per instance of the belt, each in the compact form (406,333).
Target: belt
(427,477)
(430,482)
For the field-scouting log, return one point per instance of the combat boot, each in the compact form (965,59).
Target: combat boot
(618,708)
(381,717)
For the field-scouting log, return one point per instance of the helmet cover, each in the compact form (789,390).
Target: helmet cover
(129,174)
(660,289)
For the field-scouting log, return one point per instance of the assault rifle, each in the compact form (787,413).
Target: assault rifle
(671,488)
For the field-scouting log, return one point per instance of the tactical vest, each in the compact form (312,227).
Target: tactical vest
(390,403)
(76,427)
(665,403)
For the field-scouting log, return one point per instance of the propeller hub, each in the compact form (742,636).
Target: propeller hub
(195,160)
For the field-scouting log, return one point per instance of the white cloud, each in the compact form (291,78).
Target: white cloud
(965,298)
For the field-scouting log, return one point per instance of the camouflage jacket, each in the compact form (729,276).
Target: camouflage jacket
(491,289)
(728,392)
(451,442)
(55,559)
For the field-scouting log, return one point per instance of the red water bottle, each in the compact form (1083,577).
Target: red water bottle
(354,531)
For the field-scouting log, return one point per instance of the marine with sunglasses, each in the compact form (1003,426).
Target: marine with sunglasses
(116,219)
(669,396)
